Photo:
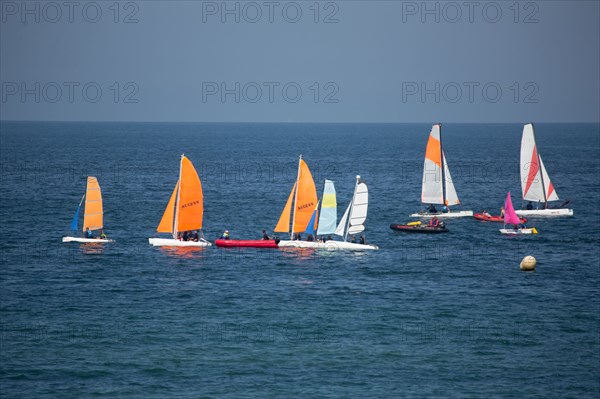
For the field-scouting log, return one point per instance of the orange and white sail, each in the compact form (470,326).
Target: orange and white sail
(93,213)
(438,187)
(535,182)
(301,202)
(185,209)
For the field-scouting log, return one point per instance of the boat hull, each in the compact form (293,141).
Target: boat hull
(545,212)
(246,243)
(418,229)
(328,245)
(440,215)
(500,219)
(86,240)
(171,242)
(516,232)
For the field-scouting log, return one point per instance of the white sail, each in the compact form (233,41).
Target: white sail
(339,231)
(360,204)
(534,178)
(451,196)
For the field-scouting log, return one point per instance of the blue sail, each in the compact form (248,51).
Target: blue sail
(310,229)
(76,218)
(328,216)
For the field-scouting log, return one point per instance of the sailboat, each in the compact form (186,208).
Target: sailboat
(535,182)
(92,214)
(510,217)
(184,211)
(351,223)
(438,188)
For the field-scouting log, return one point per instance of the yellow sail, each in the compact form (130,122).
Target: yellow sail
(283,226)
(92,217)
(166,223)
(190,206)
(306,199)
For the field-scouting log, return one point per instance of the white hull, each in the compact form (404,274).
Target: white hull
(516,232)
(328,245)
(545,212)
(171,242)
(79,239)
(440,215)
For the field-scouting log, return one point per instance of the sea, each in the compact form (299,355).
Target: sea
(444,316)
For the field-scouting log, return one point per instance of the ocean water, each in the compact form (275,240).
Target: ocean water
(425,316)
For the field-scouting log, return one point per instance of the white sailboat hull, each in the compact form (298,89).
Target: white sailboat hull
(89,240)
(328,245)
(516,232)
(545,212)
(440,215)
(171,242)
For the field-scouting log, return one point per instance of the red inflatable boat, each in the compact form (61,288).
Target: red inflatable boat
(489,218)
(246,243)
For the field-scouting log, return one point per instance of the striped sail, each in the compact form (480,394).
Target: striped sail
(328,216)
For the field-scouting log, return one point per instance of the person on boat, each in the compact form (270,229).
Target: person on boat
(362,239)
(432,209)
(185,236)
(434,222)
(102,235)
(353,240)
(323,239)
(444,209)
(195,236)
(298,237)
(485,213)
(88,233)
(265,235)
(529,206)
(310,238)
(501,211)
(225,235)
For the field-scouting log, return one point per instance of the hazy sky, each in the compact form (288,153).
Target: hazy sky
(301,61)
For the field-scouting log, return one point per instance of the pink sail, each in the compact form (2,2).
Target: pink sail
(510,217)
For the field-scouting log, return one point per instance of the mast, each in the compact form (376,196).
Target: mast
(295,199)
(443,168)
(177,200)
(351,206)
(540,168)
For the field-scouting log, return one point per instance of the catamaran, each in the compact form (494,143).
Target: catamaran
(92,214)
(535,182)
(303,197)
(184,211)
(510,217)
(438,188)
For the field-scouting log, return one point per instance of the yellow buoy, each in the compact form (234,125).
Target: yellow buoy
(528,263)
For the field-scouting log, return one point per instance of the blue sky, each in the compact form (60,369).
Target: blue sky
(302,61)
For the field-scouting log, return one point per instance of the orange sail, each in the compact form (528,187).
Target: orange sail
(283,226)
(92,216)
(166,223)
(190,207)
(306,198)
